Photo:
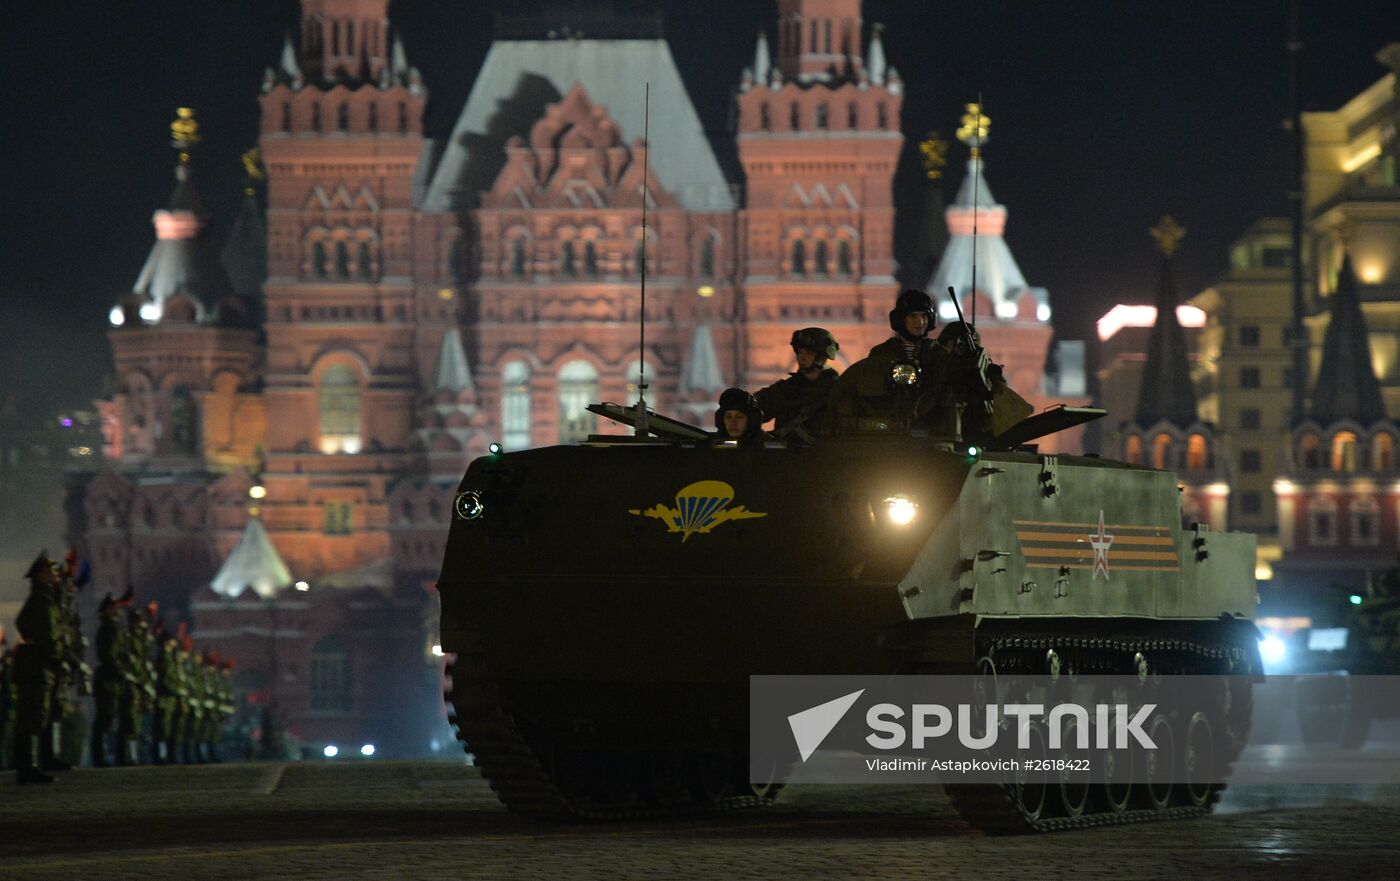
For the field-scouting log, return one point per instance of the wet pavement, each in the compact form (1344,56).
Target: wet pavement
(439,820)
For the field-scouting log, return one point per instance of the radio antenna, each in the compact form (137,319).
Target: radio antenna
(641,423)
(976,180)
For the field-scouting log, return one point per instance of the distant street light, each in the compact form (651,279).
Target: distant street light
(257,491)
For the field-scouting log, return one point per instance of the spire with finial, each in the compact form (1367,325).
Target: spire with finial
(1167,393)
(1347,387)
(975,129)
(244,257)
(761,61)
(875,58)
(290,68)
(454,375)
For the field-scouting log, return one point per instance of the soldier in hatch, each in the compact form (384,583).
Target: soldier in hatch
(882,392)
(803,404)
(739,418)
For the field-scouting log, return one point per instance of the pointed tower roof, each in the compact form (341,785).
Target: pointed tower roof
(244,257)
(999,277)
(288,64)
(181,261)
(762,62)
(875,58)
(1166,393)
(1346,382)
(453,373)
(700,371)
(254,563)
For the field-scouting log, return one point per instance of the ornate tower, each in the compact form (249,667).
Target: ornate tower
(819,139)
(341,136)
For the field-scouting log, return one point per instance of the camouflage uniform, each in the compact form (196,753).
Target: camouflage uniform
(138,685)
(62,746)
(112,639)
(36,659)
(192,711)
(170,694)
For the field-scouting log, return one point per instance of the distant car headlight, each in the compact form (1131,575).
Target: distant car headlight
(469,505)
(901,510)
(905,374)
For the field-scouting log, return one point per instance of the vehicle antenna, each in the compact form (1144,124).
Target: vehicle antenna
(976,180)
(640,424)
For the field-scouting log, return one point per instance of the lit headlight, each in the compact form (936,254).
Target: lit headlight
(901,510)
(469,505)
(1272,650)
(905,374)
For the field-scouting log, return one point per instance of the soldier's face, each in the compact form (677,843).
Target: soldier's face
(736,422)
(807,359)
(916,324)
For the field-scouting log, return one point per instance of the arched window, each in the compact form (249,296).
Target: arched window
(316,117)
(331,691)
(335,38)
(517,257)
(794,117)
(1196,453)
(1344,452)
(706,263)
(852,115)
(821,115)
(342,259)
(1161,451)
(578,387)
(184,421)
(339,400)
(812,46)
(845,266)
(765,117)
(882,116)
(568,266)
(515,406)
(826,34)
(819,258)
(590,259)
(403,118)
(1383,452)
(799,257)
(286,116)
(374,117)
(1310,453)
(1322,521)
(364,261)
(342,117)
(319,259)
(350,38)
(1132,450)
(1365,521)
(642,258)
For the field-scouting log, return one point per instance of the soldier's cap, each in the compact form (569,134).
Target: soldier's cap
(816,339)
(41,564)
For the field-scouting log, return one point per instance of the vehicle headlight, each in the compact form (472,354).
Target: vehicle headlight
(901,510)
(469,505)
(905,374)
(1272,650)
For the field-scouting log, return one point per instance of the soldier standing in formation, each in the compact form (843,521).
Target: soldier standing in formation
(108,681)
(170,693)
(138,682)
(36,659)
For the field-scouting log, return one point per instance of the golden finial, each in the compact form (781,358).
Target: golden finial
(934,152)
(252,168)
(184,132)
(1168,234)
(974,129)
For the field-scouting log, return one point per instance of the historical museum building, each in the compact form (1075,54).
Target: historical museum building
(402,302)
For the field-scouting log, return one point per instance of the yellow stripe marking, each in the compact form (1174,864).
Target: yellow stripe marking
(1160,529)
(1084,552)
(1115,567)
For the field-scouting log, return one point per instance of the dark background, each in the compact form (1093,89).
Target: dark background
(1106,114)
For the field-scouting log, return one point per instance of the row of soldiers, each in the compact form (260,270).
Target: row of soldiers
(154,696)
(944,385)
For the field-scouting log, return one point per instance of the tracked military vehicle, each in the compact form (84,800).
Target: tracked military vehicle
(606,603)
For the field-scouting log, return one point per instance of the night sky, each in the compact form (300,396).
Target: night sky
(1106,114)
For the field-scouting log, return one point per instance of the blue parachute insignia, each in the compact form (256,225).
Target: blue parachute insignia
(699,508)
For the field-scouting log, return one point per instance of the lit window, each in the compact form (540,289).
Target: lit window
(337,520)
(339,395)
(1197,455)
(515,406)
(578,387)
(1384,452)
(1344,452)
(1162,452)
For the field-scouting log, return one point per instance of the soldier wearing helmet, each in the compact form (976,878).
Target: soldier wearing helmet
(884,390)
(739,418)
(802,404)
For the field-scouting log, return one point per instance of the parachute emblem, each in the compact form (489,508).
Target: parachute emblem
(700,507)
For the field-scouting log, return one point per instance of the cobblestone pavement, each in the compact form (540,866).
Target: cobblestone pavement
(439,820)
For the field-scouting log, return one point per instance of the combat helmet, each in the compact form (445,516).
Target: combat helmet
(911,301)
(816,339)
(738,399)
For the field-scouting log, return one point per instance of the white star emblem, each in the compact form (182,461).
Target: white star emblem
(1100,543)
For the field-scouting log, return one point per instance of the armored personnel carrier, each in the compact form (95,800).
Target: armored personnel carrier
(606,604)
